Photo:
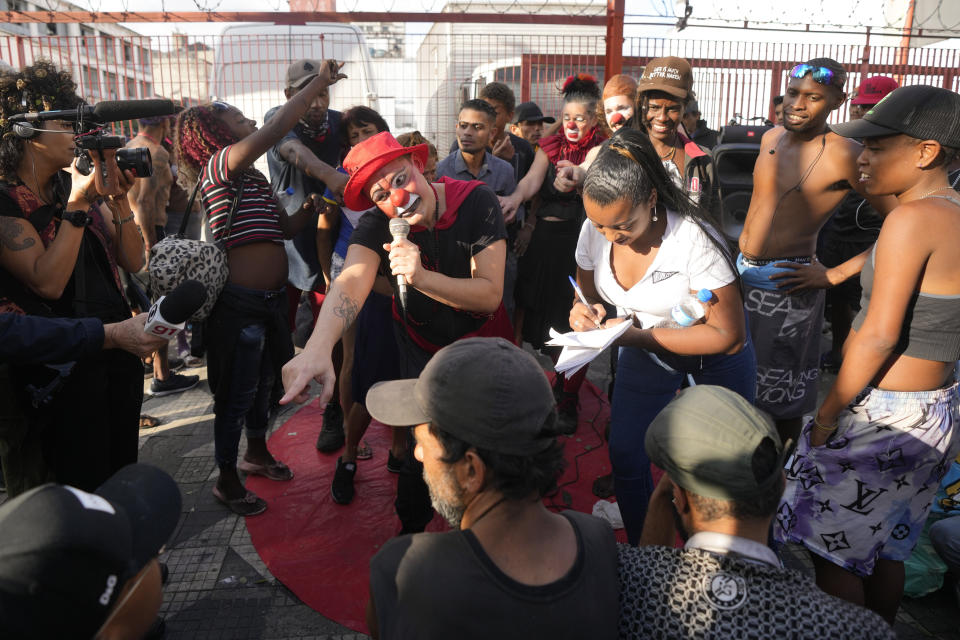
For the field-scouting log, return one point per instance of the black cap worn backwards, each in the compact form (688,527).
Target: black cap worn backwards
(485,391)
(66,554)
(530,112)
(919,111)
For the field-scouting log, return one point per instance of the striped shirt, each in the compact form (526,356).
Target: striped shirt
(256,218)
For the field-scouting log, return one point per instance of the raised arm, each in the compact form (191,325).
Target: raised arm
(347,295)
(246,151)
(297,154)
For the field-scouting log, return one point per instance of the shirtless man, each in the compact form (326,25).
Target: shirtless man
(801,175)
(148,199)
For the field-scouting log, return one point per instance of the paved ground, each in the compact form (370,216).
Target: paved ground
(219,588)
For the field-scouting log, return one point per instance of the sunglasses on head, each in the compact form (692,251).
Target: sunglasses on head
(220,105)
(821,75)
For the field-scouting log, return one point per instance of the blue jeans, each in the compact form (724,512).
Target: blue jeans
(249,343)
(643,388)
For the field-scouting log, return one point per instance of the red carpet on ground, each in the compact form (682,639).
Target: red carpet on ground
(321,550)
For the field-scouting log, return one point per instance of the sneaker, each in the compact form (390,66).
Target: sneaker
(342,487)
(567,417)
(176,383)
(176,364)
(394,464)
(331,435)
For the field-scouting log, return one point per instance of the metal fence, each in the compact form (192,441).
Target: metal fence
(419,81)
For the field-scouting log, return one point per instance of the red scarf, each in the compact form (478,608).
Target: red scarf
(558,147)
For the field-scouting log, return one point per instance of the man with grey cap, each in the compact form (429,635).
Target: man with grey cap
(484,419)
(305,160)
(724,475)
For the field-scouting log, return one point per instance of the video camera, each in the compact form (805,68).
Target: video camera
(88,123)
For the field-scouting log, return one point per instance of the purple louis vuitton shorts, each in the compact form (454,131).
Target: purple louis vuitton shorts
(866,493)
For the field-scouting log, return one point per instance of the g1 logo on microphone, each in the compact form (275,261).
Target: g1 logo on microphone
(163,331)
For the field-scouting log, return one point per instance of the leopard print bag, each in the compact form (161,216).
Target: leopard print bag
(177,258)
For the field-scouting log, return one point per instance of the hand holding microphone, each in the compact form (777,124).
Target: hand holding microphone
(168,315)
(400,257)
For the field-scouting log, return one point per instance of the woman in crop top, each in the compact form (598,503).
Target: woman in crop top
(248,336)
(644,246)
(866,468)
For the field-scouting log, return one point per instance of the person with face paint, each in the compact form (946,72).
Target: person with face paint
(643,247)
(619,101)
(886,431)
(249,335)
(452,263)
(543,286)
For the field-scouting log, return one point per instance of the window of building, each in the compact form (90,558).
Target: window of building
(127,53)
(110,88)
(131,88)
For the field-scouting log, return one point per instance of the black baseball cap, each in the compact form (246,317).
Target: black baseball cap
(66,554)
(485,391)
(714,443)
(919,111)
(530,112)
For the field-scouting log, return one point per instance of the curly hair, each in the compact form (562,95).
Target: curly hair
(413,138)
(200,133)
(39,87)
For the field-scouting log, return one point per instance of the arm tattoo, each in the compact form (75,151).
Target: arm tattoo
(347,309)
(10,230)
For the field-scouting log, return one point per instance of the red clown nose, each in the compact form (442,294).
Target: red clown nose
(617,118)
(399,197)
(572,125)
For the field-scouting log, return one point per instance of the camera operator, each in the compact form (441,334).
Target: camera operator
(63,235)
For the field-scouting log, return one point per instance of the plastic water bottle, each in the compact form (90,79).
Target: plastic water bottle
(691,308)
(286,200)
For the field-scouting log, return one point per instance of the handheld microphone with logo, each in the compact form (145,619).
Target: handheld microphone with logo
(399,229)
(169,315)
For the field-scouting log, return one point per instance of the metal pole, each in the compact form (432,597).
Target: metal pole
(614,60)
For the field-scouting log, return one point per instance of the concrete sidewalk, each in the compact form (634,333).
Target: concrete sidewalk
(219,588)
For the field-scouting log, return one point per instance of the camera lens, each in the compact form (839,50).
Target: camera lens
(137,160)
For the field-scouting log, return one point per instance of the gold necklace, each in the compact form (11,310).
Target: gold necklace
(673,150)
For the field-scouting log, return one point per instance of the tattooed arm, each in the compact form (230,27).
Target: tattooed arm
(45,271)
(339,311)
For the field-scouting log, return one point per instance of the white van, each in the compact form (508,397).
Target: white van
(251,61)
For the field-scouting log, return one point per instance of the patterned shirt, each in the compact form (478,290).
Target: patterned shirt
(691,593)
(256,218)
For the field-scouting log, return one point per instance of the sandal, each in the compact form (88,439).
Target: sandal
(248,505)
(149,422)
(275,471)
(364,451)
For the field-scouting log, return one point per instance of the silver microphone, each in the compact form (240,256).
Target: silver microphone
(399,229)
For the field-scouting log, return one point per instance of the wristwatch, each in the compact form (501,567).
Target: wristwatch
(77,218)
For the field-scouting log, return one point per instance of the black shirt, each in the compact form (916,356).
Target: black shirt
(444,585)
(462,232)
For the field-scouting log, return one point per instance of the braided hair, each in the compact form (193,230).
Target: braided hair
(39,87)
(200,134)
(628,167)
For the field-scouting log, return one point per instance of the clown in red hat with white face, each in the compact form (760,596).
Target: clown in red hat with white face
(450,264)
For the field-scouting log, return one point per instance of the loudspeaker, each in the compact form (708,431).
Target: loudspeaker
(737,133)
(733,213)
(25,130)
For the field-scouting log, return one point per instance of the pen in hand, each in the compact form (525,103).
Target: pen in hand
(583,299)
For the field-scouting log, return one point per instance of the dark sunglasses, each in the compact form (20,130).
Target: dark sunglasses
(821,75)
(220,105)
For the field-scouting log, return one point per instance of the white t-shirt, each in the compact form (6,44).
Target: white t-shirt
(687,261)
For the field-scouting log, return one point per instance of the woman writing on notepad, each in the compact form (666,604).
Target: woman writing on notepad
(643,248)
